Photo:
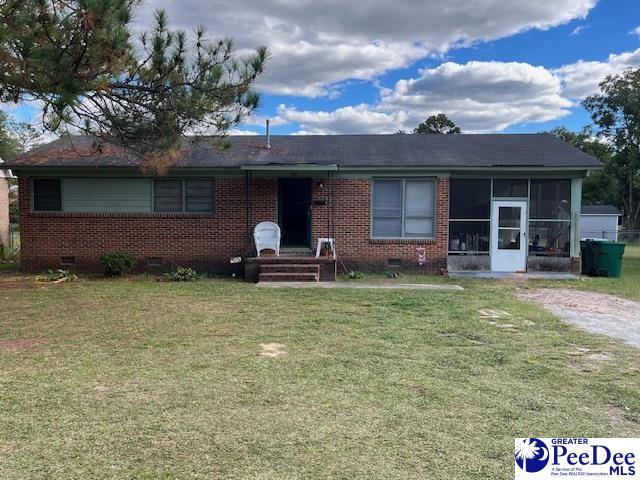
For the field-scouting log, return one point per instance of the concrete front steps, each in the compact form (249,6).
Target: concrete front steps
(289,272)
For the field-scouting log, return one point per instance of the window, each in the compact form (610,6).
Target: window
(511,188)
(469,207)
(549,238)
(469,236)
(168,195)
(198,195)
(550,218)
(509,228)
(176,195)
(470,199)
(47,195)
(403,208)
(551,199)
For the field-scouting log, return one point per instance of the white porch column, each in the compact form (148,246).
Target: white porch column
(576,204)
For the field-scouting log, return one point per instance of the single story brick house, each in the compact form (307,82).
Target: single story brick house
(430,203)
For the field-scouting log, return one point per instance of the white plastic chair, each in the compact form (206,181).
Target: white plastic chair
(266,235)
(322,241)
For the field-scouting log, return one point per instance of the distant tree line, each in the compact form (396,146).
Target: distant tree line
(614,139)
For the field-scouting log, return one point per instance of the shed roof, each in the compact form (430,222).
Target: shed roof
(599,210)
(449,151)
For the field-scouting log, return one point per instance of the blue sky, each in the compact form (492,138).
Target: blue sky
(373,66)
(607,29)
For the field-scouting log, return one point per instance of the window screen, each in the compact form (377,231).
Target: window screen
(198,195)
(47,194)
(403,208)
(551,199)
(510,188)
(168,195)
(470,199)
(387,208)
(418,208)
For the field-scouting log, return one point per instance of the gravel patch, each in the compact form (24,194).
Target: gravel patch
(594,312)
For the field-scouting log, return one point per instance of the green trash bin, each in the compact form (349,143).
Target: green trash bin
(607,258)
(588,253)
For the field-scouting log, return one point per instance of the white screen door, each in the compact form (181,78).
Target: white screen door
(508,236)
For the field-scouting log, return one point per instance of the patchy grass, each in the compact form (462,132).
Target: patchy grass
(628,285)
(139,379)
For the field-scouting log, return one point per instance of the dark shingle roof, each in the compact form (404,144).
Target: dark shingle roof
(449,151)
(599,210)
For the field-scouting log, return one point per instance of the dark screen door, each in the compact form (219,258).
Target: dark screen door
(294,210)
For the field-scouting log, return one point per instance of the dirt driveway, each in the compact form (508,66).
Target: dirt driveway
(595,312)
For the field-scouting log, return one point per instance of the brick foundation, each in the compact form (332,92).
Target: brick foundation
(208,241)
(576,265)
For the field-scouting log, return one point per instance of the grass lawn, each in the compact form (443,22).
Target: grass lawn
(138,379)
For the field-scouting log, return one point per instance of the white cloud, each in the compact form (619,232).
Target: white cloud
(353,119)
(477,96)
(318,43)
(582,78)
(239,131)
(578,29)
(635,31)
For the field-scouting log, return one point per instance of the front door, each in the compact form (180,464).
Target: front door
(294,211)
(508,236)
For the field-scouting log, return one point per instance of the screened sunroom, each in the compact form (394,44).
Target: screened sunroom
(513,224)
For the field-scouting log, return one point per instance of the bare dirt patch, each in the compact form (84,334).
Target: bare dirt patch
(20,344)
(17,283)
(273,349)
(595,312)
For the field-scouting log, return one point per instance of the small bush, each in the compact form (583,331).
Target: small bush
(58,276)
(180,274)
(117,264)
(353,275)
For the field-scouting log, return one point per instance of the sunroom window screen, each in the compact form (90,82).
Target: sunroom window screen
(403,208)
(550,218)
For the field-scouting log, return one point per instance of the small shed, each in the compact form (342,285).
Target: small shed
(599,221)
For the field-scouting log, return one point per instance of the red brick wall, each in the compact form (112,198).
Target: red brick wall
(353,230)
(209,240)
(204,240)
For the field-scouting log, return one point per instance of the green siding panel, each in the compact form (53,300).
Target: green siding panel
(106,195)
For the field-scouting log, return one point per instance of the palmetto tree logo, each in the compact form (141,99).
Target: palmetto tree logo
(531,454)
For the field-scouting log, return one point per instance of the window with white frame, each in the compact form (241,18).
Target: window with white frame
(403,208)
